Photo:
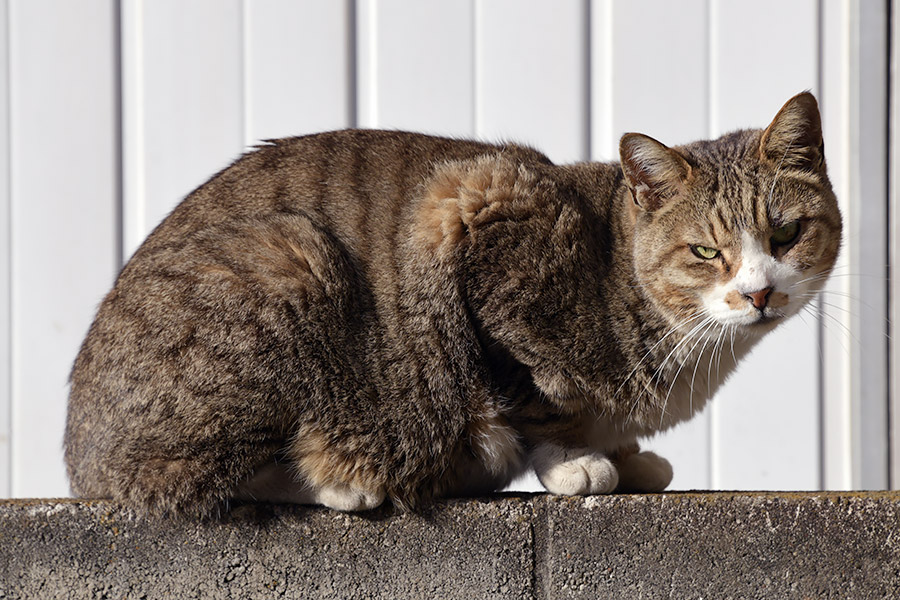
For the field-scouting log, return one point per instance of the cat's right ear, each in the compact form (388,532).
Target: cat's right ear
(795,136)
(654,173)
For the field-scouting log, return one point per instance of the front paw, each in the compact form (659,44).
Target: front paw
(644,472)
(574,472)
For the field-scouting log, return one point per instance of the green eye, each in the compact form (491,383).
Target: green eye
(786,234)
(704,252)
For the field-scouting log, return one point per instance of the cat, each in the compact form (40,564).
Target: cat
(359,316)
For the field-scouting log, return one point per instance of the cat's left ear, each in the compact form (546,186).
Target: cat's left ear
(654,173)
(794,139)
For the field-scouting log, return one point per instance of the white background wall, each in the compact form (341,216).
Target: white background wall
(110,112)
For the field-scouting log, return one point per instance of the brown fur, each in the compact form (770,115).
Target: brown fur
(396,312)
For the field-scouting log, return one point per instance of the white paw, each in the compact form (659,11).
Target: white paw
(346,498)
(574,472)
(644,472)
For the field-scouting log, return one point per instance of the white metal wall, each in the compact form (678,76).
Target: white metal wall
(112,111)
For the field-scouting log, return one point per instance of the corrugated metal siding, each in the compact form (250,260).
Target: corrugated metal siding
(119,109)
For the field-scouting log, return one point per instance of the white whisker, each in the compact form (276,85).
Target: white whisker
(700,334)
(654,347)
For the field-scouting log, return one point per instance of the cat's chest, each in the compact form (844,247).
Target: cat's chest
(681,382)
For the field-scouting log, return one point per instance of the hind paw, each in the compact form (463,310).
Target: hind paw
(644,472)
(346,498)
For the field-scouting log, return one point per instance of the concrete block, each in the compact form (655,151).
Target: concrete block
(718,545)
(74,550)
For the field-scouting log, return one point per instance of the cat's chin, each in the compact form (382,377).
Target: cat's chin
(754,322)
(763,324)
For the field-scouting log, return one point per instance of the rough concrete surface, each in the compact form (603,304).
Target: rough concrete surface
(766,545)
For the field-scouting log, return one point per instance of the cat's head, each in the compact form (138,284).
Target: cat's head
(736,232)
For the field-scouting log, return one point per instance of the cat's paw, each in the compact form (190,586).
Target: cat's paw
(574,472)
(644,472)
(346,498)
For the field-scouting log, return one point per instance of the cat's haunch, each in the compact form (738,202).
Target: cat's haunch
(356,316)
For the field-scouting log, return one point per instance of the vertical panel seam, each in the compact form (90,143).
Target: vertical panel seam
(373,63)
(820,327)
(134,205)
(711,463)
(6,470)
(893,253)
(610,149)
(245,75)
(118,125)
(886,225)
(351,26)
(711,48)
(712,65)
(587,99)
(477,69)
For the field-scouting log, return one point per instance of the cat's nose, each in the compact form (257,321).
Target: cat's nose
(759,298)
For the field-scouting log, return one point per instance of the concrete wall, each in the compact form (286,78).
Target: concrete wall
(814,545)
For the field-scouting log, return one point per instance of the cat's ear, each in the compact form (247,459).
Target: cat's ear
(794,139)
(653,171)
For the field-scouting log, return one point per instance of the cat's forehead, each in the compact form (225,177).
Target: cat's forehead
(734,189)
(737,147)
(728,163)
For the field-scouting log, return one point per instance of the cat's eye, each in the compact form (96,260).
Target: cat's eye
(786,234)
(704,252)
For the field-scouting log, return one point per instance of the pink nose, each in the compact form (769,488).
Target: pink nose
(760,297)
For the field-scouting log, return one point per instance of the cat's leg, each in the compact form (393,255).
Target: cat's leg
(579,471)
(340,472)
(184,480)
(561,453)
(347,498)
(574,456)
(274,482)
(573,471)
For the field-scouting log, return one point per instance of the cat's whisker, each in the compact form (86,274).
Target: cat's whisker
(658,371)
(722,351)
(886,321)
(831,319)
(685,340)
(805,322)
(839,308)
(701,336)
(833,276)
(848,310)
(812,278)
(837,276)
(733,357)
(717,355)
(853,300)
(697,365)
(838,337)
(654,347)
(708,322)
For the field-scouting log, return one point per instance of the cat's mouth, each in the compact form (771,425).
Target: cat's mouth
(766,318)
(763,319)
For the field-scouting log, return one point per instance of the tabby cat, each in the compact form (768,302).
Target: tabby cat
(356,316)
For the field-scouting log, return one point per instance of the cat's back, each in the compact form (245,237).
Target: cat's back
(353,181)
